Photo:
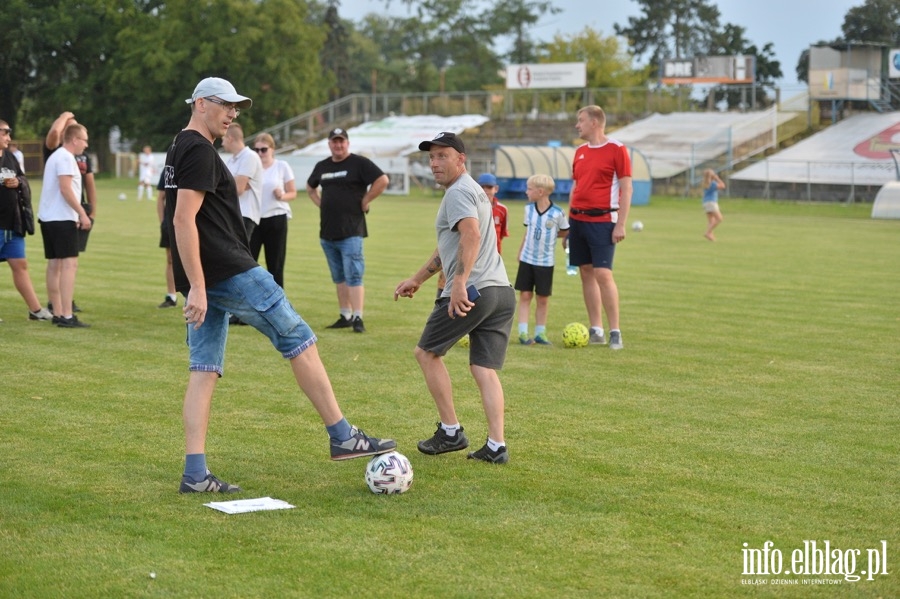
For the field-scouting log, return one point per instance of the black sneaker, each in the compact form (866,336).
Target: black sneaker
(168,303)
(341,323)
(210,484)
(501,456)
(358,326)
(441,442)
(360,445)
(71,323)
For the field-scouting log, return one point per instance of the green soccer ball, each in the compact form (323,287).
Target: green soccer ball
(576,335)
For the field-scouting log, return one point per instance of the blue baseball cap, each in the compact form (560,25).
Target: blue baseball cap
(487,179)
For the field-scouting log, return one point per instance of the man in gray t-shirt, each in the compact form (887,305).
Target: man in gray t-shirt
(477,301)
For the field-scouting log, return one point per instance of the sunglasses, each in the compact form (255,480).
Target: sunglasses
(261,150)
(7,131)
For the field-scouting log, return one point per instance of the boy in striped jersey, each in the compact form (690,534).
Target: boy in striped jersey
(544,222)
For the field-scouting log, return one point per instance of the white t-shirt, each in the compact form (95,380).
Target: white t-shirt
(275,177)
(53,205)
(147,168)
(247,163)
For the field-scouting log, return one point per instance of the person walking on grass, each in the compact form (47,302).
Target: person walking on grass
(712,185)
(544,222)
(477,301)
(215,271)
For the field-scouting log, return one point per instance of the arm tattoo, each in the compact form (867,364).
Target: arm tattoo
(435,265)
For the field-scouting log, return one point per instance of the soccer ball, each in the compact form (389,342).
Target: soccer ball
(122,196)
(464,342)
(576,335)
(638,226)
(389,473)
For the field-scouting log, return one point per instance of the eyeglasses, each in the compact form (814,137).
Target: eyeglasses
(84,139)
(261,150)
(226,105)
(7,131)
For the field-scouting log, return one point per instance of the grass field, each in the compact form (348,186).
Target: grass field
(755,401)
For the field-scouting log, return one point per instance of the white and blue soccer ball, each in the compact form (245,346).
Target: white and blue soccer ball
(389,473)
(637,226)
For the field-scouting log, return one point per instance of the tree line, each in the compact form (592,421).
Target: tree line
(131,63)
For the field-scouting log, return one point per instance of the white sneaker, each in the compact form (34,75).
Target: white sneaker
(42,314)
(615,340)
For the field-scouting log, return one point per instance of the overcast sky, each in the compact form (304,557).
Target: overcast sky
(791,25)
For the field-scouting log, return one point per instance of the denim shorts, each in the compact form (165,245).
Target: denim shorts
(12,246)
(255,298)
(345,260)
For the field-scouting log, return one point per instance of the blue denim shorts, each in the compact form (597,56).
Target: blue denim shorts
(345,260)
(255,298)
(12,246)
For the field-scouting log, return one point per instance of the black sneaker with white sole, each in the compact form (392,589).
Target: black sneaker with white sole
(360,445)
(486,454)
(441,442)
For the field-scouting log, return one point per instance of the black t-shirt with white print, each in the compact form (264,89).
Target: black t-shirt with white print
(192,162)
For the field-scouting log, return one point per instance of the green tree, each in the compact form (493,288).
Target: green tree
(875,21)
(266,48)
(670,29)
(335,55)
(608,64)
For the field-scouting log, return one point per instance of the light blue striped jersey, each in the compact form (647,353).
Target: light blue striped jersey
(542,229)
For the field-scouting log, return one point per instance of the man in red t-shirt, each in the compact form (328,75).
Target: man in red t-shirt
(598,209)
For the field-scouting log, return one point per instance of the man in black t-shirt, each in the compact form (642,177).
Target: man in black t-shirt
(213,267)
(349,184)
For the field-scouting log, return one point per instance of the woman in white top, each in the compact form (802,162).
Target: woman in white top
(277,190)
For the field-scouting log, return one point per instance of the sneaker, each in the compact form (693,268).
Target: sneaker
(501,456)
(524,339)
(441,442)
(542,339)
(56,320)
(615,340)
(358,326)
(42,314)
(71,323)
(360,445)
(341,323)
(168,303)
(597,339)
(210,484)
(234,320)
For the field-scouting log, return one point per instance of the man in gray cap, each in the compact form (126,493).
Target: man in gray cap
(477,301)
(215,271)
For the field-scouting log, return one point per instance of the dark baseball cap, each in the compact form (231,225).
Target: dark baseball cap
(338,132)
(449,140)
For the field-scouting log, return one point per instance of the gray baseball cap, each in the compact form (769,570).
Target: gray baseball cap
(220,88)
